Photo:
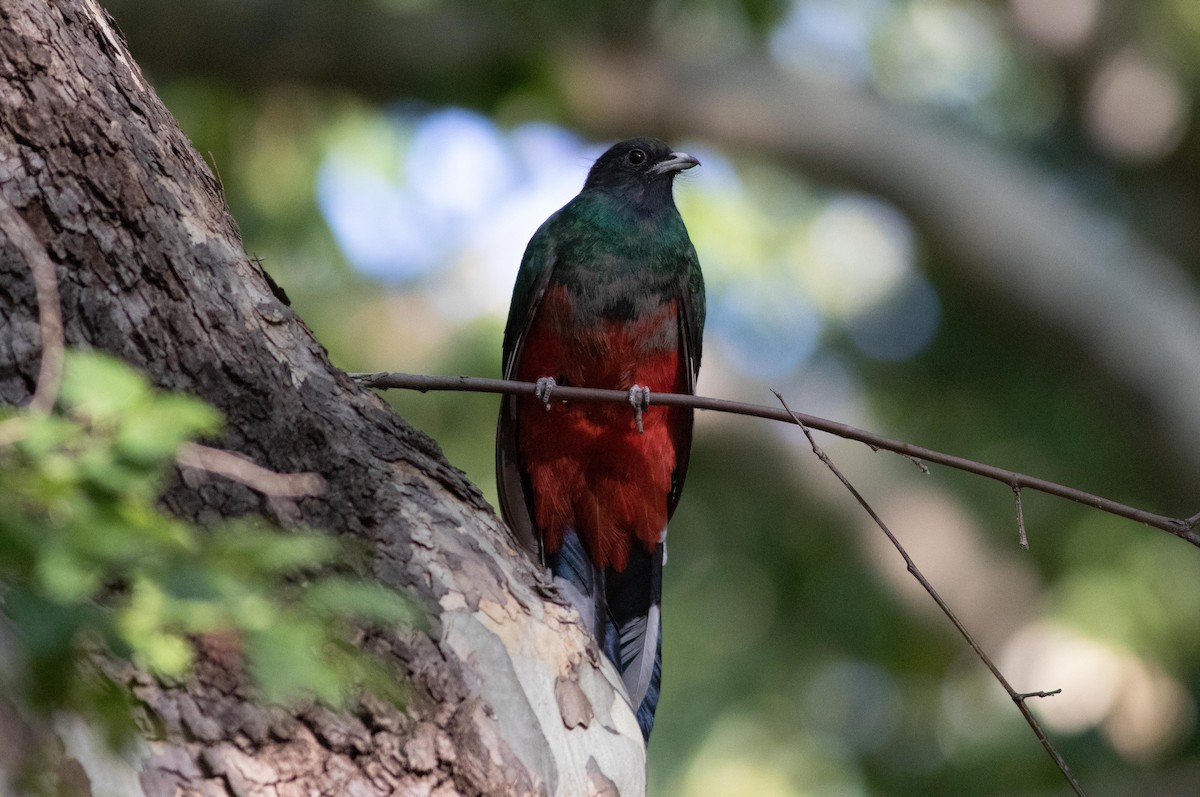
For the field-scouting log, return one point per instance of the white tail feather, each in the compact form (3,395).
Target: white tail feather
(638,648)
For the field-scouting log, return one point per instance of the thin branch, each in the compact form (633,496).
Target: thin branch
(1022,534)
(921,466)
(238,468)
(50,325)
(1018,697)
(1182,528)
(1027,695)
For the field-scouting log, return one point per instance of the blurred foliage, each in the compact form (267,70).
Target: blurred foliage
(798,661)
(90,565)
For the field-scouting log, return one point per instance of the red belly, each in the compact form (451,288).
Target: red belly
(589,468)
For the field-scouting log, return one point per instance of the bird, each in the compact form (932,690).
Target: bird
(609,294)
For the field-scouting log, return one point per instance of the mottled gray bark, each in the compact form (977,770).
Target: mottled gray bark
(509,696)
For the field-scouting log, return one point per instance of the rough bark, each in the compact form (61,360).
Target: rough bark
(509,696)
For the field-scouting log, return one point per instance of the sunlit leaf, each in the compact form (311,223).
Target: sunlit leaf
(157,431)
(244,544)
(165,653)
(100,387)
(64,577)
(285,662)
(360,599)
(89,562)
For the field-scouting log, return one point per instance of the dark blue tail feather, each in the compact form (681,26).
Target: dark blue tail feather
(622,609)
(645,712)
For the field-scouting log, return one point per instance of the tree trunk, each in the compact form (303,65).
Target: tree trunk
(509,695)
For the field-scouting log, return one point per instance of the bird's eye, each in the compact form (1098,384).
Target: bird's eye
(636,157)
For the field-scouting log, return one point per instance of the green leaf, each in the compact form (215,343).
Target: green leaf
(165,653)
(100,471)
(64,577)
(244,545)
(361,600)
(155,434)
(285,662)
(43,433)
(46,628)
(100,387)
(89,561)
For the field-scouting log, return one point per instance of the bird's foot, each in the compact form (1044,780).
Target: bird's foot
(543,388)
(639,397)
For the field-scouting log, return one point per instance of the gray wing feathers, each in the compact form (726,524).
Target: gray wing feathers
(514,503)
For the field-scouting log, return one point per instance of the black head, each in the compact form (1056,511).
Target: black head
(638,164)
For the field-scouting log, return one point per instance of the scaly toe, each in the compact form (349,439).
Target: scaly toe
(543,388)
(639,397)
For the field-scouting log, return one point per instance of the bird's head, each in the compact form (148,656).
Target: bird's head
(639,166)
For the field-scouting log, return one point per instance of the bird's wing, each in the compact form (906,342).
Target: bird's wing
(694,311)
(532,279)
(537,265)
(691,339)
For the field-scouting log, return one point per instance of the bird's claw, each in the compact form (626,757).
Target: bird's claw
(639,397)
(543,388)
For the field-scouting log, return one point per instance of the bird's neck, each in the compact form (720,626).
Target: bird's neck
(642,223)
(644,200)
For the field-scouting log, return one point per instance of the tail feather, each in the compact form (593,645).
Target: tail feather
(623,611)
(645,711)
(634,608)
(637,618)
(636,646)
(583,585)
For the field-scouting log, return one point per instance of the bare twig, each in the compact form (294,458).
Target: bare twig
(1022,535)
(1027,695)
(1182,528)
(1018,697)
(240,469)
(15,228)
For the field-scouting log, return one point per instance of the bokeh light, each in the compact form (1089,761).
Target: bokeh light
(1062,26)
(831,37)
(1141,709)
(942,52)
(1137,107)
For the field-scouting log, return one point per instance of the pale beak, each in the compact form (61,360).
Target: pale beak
(677,162)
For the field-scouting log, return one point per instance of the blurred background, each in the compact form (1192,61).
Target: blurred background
(970,224)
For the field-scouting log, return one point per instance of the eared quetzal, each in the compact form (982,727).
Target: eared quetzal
(609,295)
